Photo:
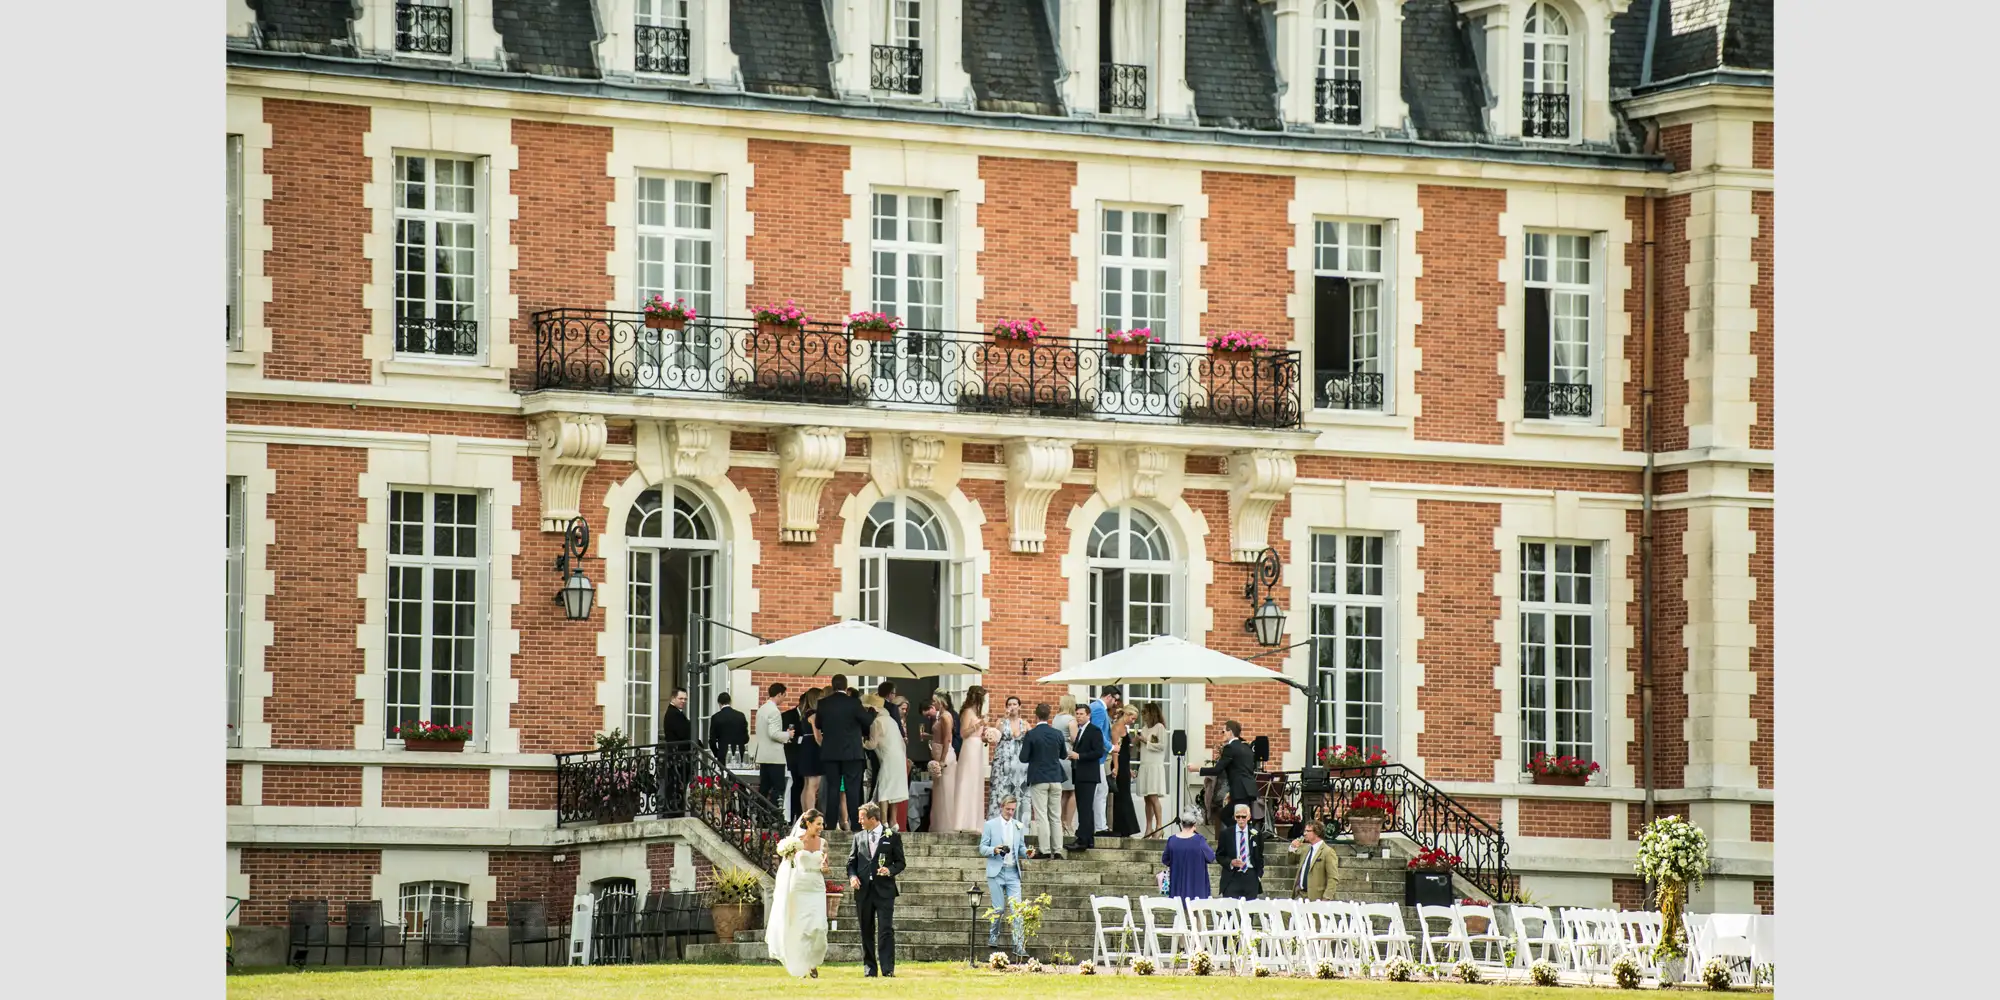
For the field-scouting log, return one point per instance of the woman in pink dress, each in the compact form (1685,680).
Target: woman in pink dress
(944,760)
(965,805)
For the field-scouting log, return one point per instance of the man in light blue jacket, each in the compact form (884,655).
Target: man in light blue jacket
(1004,843)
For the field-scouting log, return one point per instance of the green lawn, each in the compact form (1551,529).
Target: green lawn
(752,982)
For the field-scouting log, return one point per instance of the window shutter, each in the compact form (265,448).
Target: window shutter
(1331,324)
(964,608)
(1535,357)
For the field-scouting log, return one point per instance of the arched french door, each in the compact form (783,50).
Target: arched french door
(1134,596)
(913,583)
(674,563)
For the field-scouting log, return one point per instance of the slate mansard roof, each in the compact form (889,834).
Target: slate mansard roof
(785,48)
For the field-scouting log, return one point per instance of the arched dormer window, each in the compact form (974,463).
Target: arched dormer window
(1132,576)
(1545,73)
(1337,74)
(672,578)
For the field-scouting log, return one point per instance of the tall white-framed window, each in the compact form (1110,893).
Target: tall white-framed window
(673,559)
(1132,594)
(896,60)
(1546,99)
(234,240)
(1337,77)
(678,258)
(1353,585)
(662,33)
(1135,268)
(437,608)
(439,249)
(1560,623)
(1353,329)
(1559,323)
(415,899)
(909,245)
(233,604)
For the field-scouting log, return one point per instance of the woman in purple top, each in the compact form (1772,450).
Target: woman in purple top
(1187,858)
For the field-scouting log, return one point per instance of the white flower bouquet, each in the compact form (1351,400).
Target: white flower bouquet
(788,847)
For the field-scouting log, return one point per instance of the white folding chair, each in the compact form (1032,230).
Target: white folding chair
(1730,935)
(1337,932)
(1488,947)
(1442,933)
(1583,944)
(1537,936)
(1764,941)
(1168,939)
(1260,936)
(1105,950)
(1212,928)
(1640,932)
(1293,927)
(1387,937)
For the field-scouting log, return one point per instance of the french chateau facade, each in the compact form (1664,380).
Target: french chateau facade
(1485,238)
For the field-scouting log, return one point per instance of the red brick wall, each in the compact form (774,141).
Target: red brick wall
(531,789)
(435,787)
(1259,707)
(1670,655)
(1763,145)
(795,581)
(1763,341)
(1763,481)
(558,666)
(1457,650)
(1666,484)
(1677,145)
(660,866)
(1486,809)
(1635,339)
(1763,823)
(1462,293)
(311,785)
(1670,337)
(286,413)
(561,233)
(1382,470)
(318,221)
(1554,818)
(1766,896)
(1028,222)
(1762,658)
(799,205)
(1249,235)
(232,785)
(529,875)
(1024,593)
(314,610)
(1630,894)
(280,874)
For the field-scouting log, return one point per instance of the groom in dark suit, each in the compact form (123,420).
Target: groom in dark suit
(843,721)
(872,866)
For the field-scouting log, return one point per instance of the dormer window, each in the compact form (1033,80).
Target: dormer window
(660,37)
(1123,44)
(1545,73)
(1337,79)
(424,27)
(896,65)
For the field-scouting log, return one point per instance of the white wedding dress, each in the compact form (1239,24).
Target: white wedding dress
(796,932)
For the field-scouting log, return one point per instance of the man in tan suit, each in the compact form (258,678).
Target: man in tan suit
(1319,870)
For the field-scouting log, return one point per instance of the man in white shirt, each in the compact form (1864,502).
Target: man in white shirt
(769,744)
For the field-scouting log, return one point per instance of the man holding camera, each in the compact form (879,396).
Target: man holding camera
(1004,843)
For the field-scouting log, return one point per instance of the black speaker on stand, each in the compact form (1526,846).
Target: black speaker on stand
(1179,778)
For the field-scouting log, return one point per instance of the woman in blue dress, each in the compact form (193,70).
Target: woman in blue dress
(1187,858)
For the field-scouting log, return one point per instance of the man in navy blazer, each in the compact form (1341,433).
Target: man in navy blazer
(1044,750)
(1086,772)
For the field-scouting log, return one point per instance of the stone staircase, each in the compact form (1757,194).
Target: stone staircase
(935,918)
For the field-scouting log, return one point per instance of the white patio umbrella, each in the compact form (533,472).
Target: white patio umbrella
(1167,660)
(850,647)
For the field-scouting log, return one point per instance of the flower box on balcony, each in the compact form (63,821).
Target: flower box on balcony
(1572,780)
(1132,343)
(660,321)
(879,328)
(1238,344)
(1552,770)
(434,746)
(429,737)
(1015,334)
(776,320)
(873,335)
(664,315)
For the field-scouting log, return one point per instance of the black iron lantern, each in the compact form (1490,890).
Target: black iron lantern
(577,593)
(1267,620)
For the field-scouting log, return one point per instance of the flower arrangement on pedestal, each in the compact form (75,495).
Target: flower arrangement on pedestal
(1367,813)
(1434,859)
(1135,341)
(1238,342)
(1549,769)
(878,327)
(418,734)
(1673,859)
(664,315)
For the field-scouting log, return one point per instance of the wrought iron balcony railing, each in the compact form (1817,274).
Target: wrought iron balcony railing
(457,338)
(1121,87)
(1338,390)
(1545,116)
(613,351)
(421,27)
(658,49)
(1337,101)
(897,69)
(663,781)
(1422,812)
(1556,399)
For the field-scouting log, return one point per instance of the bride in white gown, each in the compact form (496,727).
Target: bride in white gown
(796,932)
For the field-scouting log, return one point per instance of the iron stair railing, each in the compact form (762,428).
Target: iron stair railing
(1423,812)
(667,780)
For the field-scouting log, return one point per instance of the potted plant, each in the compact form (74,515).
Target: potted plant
(613,740)
(1018,332)
(1238,343)
(1673,859)
(833,891)
(773,319)
(1352,761)
(734,900)
(1428,880)
(1367,812)
(1551,770)
(433,738)
(706,797)
(877,327)
(1135,341)
(664,315)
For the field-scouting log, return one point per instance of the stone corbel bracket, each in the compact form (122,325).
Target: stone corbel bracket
(680,449)
(567,446)
(1258,480)
(1035,471)
(1140,472)
(807,458)
(901,462)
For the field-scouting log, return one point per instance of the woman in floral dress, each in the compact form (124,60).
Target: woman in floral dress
(1010,775)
